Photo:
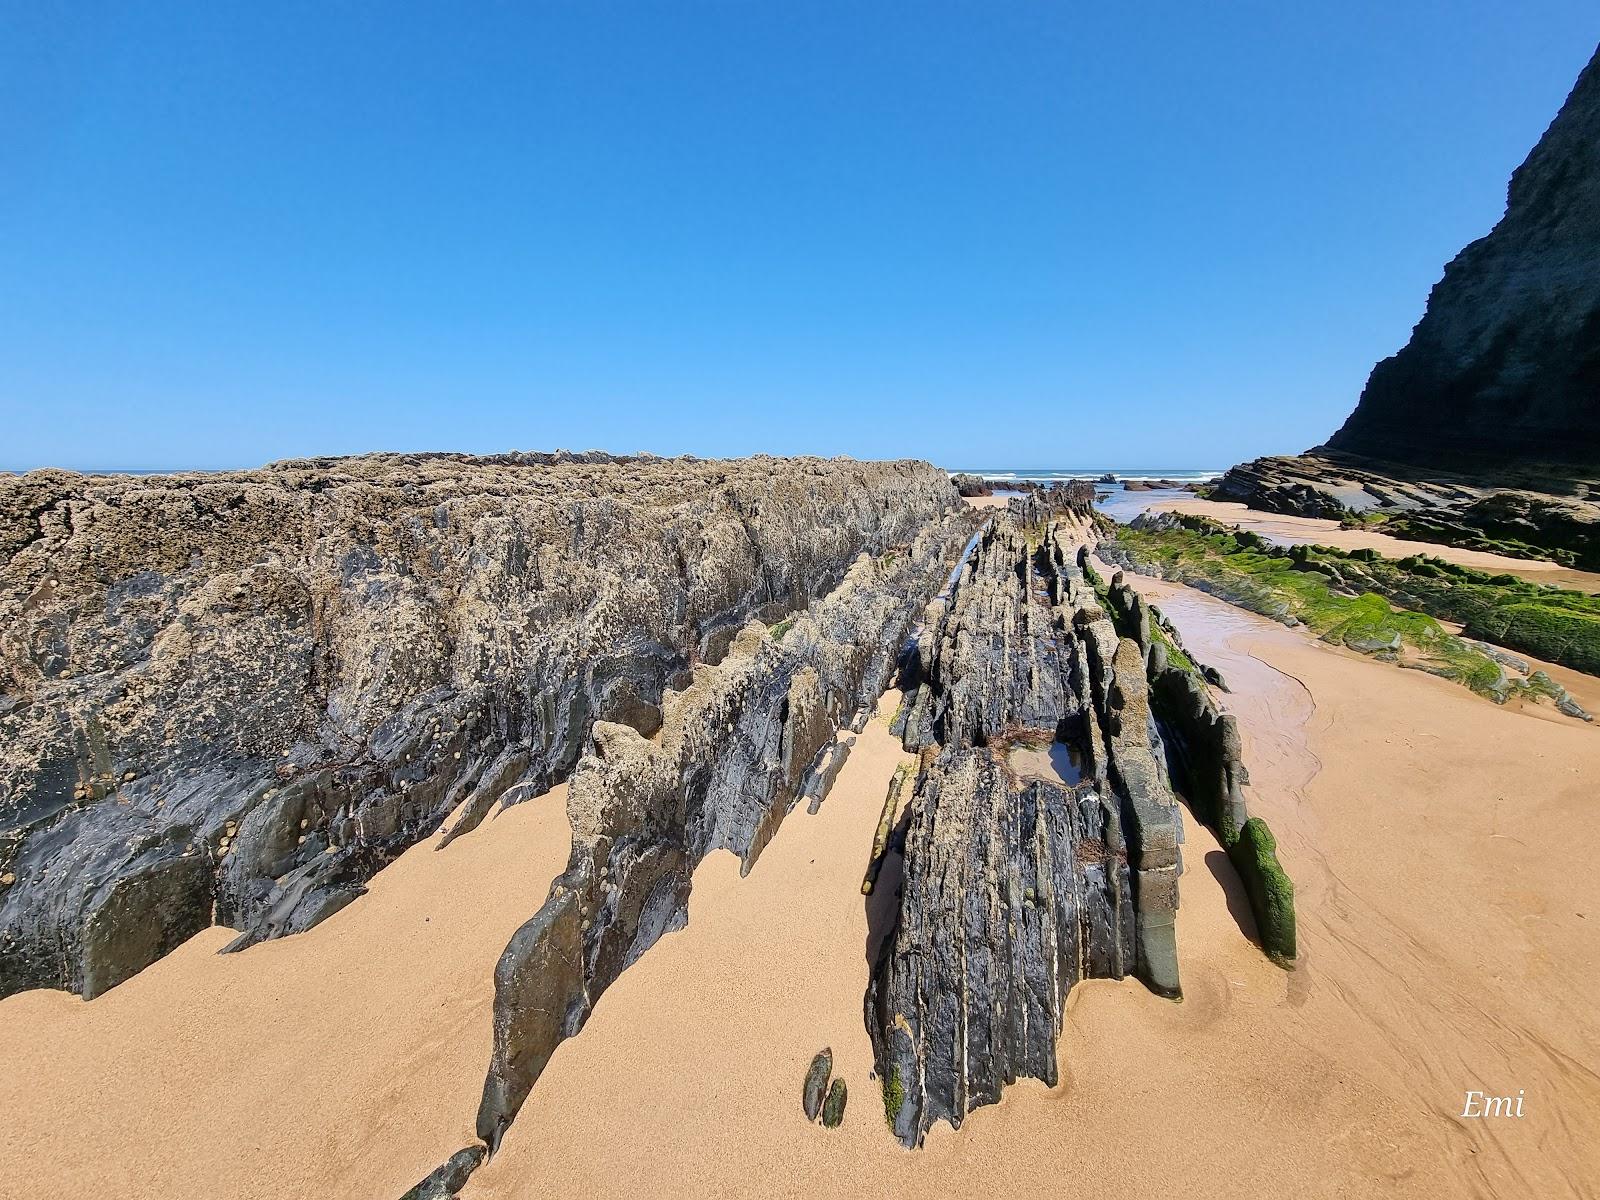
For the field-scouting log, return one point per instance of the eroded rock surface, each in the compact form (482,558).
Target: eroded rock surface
(233,698)
(1479,512)
(1018,884)
(738,747)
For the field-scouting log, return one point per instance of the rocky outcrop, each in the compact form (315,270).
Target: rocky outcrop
(1380,606)
(972,485)
(1505,364)
(1019,879)
(737,748)
(1205,757)
(1150,485)
(1205,754)
(233,698)
(1429,506)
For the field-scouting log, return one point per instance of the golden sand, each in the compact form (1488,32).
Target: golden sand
(345,1061)
(1441,874)
(1442,852)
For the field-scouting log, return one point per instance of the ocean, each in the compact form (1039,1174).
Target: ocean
(1057,474)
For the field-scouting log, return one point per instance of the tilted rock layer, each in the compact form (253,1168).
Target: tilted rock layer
(1020,882)
(737,749)
(233,698)
(1505,364)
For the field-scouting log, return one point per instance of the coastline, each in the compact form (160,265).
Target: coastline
(1224,1093)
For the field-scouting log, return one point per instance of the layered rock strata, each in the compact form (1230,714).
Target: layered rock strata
(1020,878)
(737,748)
(1205,758)
(233,698)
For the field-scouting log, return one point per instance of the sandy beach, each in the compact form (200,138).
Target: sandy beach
(1441,884)
(537,422)
(1446,905)
(345,1061)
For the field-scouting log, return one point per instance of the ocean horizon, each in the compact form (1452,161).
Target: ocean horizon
(1059,474)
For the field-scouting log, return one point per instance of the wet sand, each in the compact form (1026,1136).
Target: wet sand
(346,1061)
(1286,530)
(1447,899)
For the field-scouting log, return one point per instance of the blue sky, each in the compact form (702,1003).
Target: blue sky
(985,234)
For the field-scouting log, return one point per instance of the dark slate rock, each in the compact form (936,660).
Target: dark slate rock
(1016,888)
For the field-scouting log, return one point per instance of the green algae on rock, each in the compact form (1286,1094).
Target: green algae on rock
(833,1107)
(1350,599)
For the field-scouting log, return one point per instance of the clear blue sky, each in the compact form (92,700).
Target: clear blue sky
(981,233)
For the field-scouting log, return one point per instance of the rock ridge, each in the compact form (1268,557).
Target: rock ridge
(738,747)
(233,698)
(1020,880)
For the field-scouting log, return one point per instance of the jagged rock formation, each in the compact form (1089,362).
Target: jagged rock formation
(233,698)
(737,748)
(1020,881)
(1505,364)
(1204,756)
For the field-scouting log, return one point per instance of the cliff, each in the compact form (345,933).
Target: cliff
(1504,367)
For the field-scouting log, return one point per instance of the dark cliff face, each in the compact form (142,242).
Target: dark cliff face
(1504,367)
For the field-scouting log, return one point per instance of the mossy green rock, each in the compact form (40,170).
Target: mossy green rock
(1255,856)
(894,1096)
(833,1108)
(1377,605)
(817,1083)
